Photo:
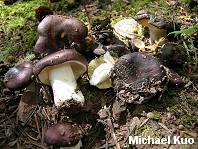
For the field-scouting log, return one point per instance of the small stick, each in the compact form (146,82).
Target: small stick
(37,126)
(15,111)
(83,3)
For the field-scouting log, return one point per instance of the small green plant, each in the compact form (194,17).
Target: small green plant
(156,116)
(171,92)
(173,108)
(189,32)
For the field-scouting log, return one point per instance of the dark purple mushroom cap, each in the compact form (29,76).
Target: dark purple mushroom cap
(174,78)
(173,54)
(148,19)
(78,64)
(20,76)
(98,49)
(63,135)
(138,77)
(158,27)
(117,47)
(143,16)
(58,32)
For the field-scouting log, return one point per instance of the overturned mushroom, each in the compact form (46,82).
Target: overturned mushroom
(138,77)
(136,44)
(64,135)
(58,32)
(99,71)
(157,27)
(61,70)
(20,76)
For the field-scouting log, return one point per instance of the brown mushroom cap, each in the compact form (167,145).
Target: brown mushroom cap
(143,16)
(57,32)
(138,77)
(20,76)
(78,64)
(41,12)
(63,134)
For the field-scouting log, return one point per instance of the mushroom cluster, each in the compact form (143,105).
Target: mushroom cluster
(58,64)
(59,61)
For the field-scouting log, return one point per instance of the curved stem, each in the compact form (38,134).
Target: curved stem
(195,52)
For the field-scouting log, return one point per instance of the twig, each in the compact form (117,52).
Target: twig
(130,133)
(36,144)
(30,115)
(110,125)
(37,125)
(83,3)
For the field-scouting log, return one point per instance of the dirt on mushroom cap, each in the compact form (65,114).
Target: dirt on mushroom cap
(138,77)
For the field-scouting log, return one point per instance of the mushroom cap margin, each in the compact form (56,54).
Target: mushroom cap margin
(78,63)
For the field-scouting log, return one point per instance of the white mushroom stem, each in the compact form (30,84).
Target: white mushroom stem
(156,34)
(77,146)
(64,84)
(102,72)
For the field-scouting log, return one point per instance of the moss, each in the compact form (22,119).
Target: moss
(5,53)
(18,20)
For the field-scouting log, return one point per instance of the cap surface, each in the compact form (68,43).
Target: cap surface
(63,134)
(57,32)
(138,76)
(19,76)
(142,14)
(160,23)
(78,63)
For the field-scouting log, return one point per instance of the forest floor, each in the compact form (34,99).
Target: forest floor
(106,121)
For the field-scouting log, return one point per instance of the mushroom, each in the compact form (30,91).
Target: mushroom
(118,47)
(99,71)
(136,44)
(60,70)
(138,77)
(157,27)
(41,12)
(19,76)
(98,49)
(64,135)
(173,54)
(58,32)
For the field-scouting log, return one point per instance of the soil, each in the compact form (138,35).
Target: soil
(106,121)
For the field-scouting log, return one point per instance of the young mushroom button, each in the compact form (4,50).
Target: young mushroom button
(20,76)
(64,135)
(60,70)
